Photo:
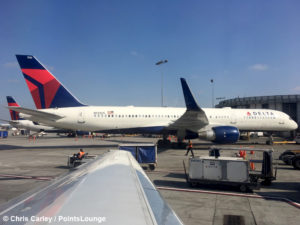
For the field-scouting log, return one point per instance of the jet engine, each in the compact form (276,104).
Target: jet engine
(221,134)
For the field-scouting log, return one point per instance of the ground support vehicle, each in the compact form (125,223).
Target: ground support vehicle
(77,162)
(291,157)
(145,154)
(234,171)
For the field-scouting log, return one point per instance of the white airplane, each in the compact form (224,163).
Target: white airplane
(56,106)
(18,122)
(82,197)
(5,126)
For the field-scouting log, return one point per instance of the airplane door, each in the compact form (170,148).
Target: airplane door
(81,117)
(233,119)
(281,121)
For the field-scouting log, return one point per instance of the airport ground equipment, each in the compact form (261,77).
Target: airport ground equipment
(291,157)
(297,139)
(267,174)
(143,153)
(216,169)
(3,134)
(221,171)
(77,162)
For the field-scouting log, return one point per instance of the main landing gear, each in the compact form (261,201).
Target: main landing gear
(270,140)
(166,143)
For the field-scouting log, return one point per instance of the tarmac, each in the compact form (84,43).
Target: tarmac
(26,164)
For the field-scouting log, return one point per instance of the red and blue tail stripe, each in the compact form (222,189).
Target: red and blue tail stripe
(45,89)
(13,114)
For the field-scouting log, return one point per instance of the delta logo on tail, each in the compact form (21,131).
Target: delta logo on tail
(46,90)
(11,102)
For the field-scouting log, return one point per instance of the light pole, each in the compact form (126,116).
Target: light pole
(162,81)
(212,93)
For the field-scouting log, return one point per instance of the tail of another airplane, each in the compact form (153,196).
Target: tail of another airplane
(46,90)
(11,102)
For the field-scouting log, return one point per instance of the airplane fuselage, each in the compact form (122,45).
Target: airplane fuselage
(28,124)
(157,119)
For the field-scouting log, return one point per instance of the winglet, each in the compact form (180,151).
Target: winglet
(190,102)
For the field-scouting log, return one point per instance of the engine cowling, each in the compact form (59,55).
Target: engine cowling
(221,135)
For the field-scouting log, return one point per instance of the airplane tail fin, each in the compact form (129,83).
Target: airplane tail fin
(11,102)
(46,90)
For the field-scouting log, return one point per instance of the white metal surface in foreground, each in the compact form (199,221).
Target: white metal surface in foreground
(111,190)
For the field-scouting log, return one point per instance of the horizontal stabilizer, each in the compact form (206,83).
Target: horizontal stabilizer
(37,113)
(5,120)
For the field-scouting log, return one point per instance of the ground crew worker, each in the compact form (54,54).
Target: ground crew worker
(80,154)
(190,148)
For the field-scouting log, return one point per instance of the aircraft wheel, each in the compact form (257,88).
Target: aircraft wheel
(243,188)
(296,162)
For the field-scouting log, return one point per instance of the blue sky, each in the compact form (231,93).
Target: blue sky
(105,51)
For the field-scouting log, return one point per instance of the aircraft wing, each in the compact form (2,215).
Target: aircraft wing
(113,189)
(5,120)
(36,113)
(11,122)
(194,118)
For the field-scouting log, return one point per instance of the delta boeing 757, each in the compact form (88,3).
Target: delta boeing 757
(57,107)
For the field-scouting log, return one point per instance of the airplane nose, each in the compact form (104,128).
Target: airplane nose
(294,125)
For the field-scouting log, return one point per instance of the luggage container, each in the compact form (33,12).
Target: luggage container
(267,173)
(4,134)
(231,170)
(222,170)
(143,153)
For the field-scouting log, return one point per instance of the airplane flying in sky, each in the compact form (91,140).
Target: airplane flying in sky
(18,122)
(56,106)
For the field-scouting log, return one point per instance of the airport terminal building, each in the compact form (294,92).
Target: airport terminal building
(289,104)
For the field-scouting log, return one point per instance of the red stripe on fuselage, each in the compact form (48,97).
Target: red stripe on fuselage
(50,85)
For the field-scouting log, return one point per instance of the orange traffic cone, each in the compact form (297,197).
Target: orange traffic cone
(252,166)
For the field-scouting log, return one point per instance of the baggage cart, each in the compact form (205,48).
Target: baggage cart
(231,171)
(145,154)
